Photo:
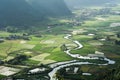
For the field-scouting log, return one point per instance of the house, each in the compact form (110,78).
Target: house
(97,54)
(1,40)
(37,70)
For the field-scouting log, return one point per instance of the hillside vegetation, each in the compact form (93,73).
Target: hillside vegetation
(29,12)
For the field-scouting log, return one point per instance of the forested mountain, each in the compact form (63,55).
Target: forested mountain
(16,12)
(50,7)
(27,12)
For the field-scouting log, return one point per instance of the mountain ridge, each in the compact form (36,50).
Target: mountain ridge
(21,12)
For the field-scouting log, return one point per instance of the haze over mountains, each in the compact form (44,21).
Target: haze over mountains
(27,12)
(83,3)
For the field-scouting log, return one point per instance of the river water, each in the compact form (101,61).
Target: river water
(60,65)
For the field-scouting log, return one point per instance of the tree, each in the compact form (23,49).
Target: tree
(113,74)
(118,35)
(63,47)
(117,42)
(18,59)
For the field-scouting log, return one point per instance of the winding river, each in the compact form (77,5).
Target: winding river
(60,65)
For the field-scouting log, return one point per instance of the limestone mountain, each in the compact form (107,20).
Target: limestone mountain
(28,12)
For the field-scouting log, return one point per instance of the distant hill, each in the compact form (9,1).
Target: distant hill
(28,12)
(83,3)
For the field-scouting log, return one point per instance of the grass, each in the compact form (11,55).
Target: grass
(31,62)
(34,40)
(82,38)
(59,55)
(35,47)
(95,24)
(50,42)
(87,49)
(96,43)
(27,52)
(6,34)
(100,24)
(40,57)
(114,18)
(2,76)
(11,46)
(46,49)
(111,49)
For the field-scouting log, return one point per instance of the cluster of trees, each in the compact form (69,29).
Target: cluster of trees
(109,74)
(24,36)
(69,75)
(1,40)
(118,35)
(1,62)
(63,47)
(117,42)
(104,11)
(108,38)
(15,37)
(97,37)
(18,59)
(113,74)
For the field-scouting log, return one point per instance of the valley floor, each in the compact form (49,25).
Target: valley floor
(81,45)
